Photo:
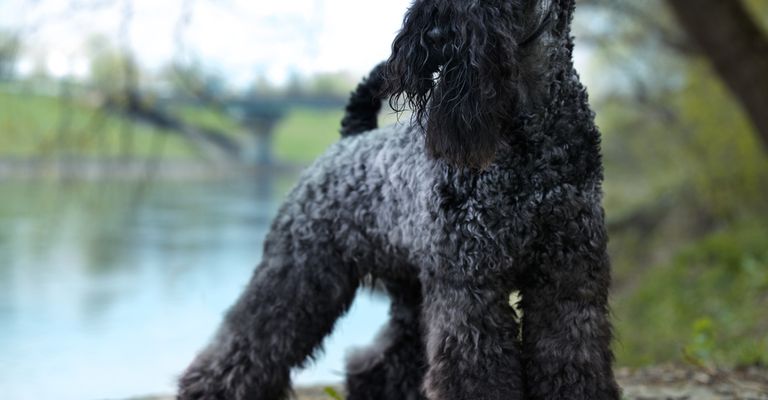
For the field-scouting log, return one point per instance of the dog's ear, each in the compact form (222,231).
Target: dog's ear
(454,63)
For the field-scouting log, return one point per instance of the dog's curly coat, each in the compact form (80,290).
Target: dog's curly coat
(494,188)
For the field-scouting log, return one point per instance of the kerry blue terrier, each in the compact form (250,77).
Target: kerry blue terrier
(494,187)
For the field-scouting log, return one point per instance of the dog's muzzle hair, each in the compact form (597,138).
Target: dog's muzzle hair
(458,66)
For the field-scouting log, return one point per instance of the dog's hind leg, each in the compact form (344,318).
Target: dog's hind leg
(289,306)
(393,367)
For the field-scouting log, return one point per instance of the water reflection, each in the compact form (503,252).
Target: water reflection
(104,294)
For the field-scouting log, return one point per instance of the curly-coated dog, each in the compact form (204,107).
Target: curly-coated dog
(494,187)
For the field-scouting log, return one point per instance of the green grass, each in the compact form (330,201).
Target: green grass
(33,126)
(707,306)
(304,134)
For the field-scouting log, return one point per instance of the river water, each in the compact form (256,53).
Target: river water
(108,289)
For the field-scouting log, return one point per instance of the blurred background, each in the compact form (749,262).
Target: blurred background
(145,147)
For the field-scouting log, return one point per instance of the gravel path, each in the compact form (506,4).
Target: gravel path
(674,383)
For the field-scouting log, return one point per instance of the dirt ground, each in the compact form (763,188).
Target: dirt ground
(654,383)
(674,383)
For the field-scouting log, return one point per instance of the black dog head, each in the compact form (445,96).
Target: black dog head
(470,68)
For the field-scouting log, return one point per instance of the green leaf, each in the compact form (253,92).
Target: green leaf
(332,393)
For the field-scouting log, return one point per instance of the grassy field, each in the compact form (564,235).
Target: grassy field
(34,126)
(306,133)
(37,126)
(706,306)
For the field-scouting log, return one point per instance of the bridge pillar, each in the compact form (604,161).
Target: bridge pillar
(263,130)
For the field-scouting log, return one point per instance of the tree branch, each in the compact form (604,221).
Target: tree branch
(738,50)
(211,142)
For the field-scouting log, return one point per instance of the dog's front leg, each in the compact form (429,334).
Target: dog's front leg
(471,339)
(289,306)
(566,327)
(566,345)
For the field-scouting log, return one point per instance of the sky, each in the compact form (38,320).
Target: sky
(239,39)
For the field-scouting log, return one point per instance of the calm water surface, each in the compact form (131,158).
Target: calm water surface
(108,289)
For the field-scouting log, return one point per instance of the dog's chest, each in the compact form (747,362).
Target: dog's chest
(478,223)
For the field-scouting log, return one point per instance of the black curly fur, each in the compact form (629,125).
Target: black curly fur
(495,187)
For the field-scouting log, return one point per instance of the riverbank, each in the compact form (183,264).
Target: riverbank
(132,169)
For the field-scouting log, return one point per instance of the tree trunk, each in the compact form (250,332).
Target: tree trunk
(738,50)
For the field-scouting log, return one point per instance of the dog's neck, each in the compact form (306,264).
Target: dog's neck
(551,89)
(559,135)
(546,54)
(555,106)
(552,93)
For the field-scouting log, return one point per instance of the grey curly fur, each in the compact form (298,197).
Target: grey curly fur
(494,187)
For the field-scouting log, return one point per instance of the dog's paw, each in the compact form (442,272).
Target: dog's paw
(200,383)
